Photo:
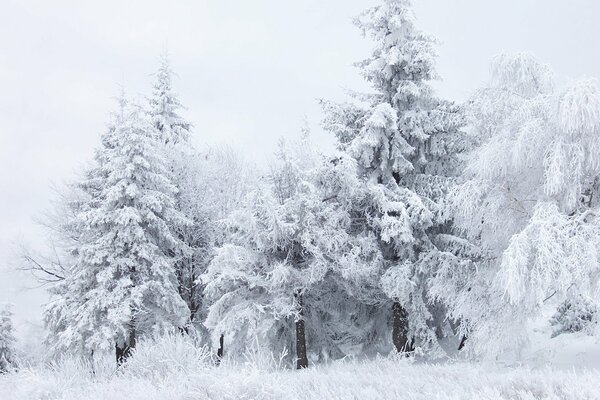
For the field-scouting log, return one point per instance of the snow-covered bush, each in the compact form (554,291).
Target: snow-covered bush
(171,354)
(7,340)
(574,315)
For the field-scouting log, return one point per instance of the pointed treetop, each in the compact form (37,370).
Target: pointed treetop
(402,53)
(165,106)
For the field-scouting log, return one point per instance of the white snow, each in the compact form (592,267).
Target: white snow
(381,379)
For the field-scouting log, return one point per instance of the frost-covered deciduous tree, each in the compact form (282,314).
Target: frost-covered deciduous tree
(60,222)
(529,199)
(123,283)
(62,227)
(407,144)
(51,264)
(7,340)
(211,185)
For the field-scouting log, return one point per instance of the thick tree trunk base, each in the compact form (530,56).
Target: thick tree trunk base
(221,349)
(301,357)
(123,352)
(462,343)
(400,329)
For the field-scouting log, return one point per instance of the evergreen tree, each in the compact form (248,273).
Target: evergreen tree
(174,132)
(407,144)
(270,281)
(165,106)
(7,341)
(123,284)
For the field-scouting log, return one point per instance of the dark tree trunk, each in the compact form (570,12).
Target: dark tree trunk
(123,352)
(93,363)
(301,358)
(220,350)
(462,342)
(400,329)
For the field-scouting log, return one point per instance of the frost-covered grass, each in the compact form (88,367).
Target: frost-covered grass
(175,369)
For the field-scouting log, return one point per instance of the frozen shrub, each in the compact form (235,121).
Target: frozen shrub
(574,315)
(7,341)
(168,355)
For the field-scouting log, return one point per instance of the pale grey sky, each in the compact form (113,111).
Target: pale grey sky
(248,73)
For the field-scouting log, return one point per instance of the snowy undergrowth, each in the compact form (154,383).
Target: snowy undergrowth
(168,378)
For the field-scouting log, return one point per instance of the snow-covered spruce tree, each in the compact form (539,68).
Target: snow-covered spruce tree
(123,283)
(407,143)
(165,107)
(529,199)
(7,341)
(175,135)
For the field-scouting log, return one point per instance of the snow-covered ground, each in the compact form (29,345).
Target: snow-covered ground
(383,379)
(173,369)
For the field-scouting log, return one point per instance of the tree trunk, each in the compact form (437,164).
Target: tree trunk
(400,329)
(462,342)
(124,352)
(301,358)
(220,350)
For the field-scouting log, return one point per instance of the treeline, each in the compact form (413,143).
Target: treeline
(433,227)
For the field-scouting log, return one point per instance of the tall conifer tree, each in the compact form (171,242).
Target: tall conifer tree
(123,283)
(407,144)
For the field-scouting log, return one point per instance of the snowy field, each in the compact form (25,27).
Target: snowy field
(382,379)
(176,370)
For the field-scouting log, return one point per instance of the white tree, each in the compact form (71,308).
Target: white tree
(529,199)
(123,284)
(165,107)
(271,281)
(407,144)
(174,133)
(7,341)
(211,184)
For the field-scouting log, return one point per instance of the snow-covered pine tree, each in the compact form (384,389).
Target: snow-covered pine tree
(254,279)
(529,199)
(270,283)
(7,340)
(407,143)
(174,132)
(165,107)
(123,284)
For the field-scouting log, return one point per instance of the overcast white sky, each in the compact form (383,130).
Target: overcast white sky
(248,73)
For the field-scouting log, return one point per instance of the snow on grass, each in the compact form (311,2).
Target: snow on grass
(379,379)
(174,368)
